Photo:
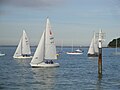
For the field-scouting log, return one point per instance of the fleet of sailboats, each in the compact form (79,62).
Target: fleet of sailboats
(45,53)
(93,49)
(23,48)
(46,50)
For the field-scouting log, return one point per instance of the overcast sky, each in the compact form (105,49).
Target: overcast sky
(71,20)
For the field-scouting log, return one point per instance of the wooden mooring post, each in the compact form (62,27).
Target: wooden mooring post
(100,40)
(100,61)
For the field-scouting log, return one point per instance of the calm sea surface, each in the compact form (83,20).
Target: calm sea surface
(76,72)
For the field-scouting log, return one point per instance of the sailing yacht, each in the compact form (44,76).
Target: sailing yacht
(93,49)
(46,50)
(76,52)
(2,54)
(116,48)
(23,48)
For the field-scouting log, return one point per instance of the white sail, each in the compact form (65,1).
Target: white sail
(91,48)
(18,50)
(25,44)
(39,53)
(50,48)
(95,44)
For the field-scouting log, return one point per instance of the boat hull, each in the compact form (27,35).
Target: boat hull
(44,65)
(92,55)
(2,54)
(72,53)
(21,57)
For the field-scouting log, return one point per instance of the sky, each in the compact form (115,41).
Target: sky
(73,21)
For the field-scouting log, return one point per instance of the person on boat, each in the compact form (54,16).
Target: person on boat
(51,62)
(46,62)
(24,55)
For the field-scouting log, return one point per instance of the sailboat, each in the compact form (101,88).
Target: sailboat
(93,49)
(46,50)
(76,52)
(116,48)
(23,49)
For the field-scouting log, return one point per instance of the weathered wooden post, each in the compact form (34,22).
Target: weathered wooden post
(100,40)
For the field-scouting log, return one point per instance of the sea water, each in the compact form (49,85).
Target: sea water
(76,72)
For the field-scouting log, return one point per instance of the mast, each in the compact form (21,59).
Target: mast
(22,44)
(72,45)
(116,45)
(61,45)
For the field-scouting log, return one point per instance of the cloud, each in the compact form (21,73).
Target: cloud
(31,3)
(39,4)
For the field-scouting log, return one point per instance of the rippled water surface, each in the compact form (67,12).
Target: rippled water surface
(76,72)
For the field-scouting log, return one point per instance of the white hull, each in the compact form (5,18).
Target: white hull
(74,53)
(2,54)
(44,65)
(21,57)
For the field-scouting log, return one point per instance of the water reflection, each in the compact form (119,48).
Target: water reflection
(23,62)
(44,78)
(100,76)
(37,78)
(98,85)
(99,82)
(93,58)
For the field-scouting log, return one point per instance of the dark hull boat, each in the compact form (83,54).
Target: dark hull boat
(93,49)
(93,55)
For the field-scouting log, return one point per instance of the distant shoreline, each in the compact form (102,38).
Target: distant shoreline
(56,46)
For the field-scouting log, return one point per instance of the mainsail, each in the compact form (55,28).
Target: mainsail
(25,44)
(50,48)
